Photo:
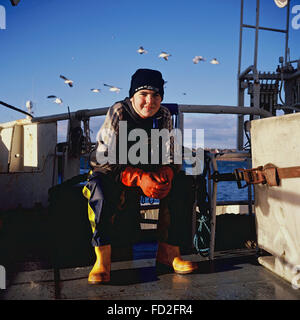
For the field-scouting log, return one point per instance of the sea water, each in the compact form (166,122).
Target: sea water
(228,190)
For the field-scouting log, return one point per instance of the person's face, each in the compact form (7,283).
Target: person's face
(146,103)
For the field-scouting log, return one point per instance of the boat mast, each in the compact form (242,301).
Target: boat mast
(255,76)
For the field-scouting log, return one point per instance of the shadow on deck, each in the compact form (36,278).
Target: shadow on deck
(47,258)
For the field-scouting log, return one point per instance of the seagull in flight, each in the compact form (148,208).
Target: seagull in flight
(95,90)
(29,106)
(141,50)
(197,59)
(112,88)
(56,99)
(67,81)
(164,55)
(214,61)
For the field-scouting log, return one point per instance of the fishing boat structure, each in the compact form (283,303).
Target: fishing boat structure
(42,205)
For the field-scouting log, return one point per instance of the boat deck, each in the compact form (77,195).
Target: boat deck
(27,254)
(232,275)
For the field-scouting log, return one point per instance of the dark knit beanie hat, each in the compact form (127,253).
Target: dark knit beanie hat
(147,79)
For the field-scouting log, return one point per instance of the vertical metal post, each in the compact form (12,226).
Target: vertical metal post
(287,33)
(241,37)
(256,85)
(181,124)
(240,118)
(256,38)
(249,165)
(213,223)
(213,212)
(194,212)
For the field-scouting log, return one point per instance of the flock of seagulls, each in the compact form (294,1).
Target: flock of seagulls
(70,82)
(197,59)
(164,55)
(67,81)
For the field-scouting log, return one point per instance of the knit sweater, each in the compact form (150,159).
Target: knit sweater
(120,142)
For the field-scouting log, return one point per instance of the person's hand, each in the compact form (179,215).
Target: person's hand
(150,182)
(164,174)
(152,188)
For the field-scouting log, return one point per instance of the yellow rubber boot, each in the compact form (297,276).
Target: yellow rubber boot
(170,256)
(101,269)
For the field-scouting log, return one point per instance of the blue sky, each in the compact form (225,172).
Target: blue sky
(95,42)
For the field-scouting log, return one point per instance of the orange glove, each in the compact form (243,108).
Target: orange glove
(134,177)
(131,177)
